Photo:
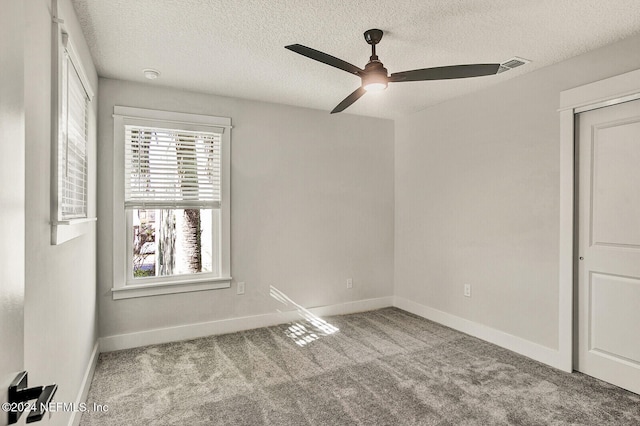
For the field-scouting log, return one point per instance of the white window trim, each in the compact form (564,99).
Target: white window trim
(64,230)
(122,287)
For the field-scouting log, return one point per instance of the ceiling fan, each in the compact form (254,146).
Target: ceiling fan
(374,75)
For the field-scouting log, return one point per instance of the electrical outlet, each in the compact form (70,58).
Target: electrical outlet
(349,282)
(467,290)
(241,287)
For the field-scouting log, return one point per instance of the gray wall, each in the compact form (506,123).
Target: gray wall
(312,205)
(477,197)
(60,290)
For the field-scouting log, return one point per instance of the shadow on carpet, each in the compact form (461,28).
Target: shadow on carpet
(384,367)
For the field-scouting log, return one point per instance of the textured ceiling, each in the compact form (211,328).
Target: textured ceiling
(236,47)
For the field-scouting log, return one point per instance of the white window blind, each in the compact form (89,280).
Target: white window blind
(166,168)
(72,152)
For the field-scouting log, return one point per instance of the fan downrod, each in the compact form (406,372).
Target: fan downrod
(373,37)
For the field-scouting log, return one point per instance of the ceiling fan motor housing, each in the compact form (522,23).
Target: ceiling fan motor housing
(375,74)
(375,67)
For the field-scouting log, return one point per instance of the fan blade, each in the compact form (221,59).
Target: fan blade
(349,100)
(324,58)
(445,73)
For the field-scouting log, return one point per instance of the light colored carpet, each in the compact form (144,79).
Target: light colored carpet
(385,367)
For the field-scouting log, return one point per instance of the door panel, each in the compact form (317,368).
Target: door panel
(616,199)
(605,335)
(608,153)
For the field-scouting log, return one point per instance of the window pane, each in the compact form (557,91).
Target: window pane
(72,184)
(172,242)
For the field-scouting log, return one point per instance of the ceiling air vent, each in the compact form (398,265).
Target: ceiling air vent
(512,63)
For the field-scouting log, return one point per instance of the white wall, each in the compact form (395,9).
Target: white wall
(12,203)
(477,198)
(312,205)
(60,290)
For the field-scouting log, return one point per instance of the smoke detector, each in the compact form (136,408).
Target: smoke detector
(151,74)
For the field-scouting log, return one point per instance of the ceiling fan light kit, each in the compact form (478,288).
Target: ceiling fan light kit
(375,80)
(375,77)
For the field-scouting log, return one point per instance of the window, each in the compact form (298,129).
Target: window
(72,97)
(173,202)
(72,144)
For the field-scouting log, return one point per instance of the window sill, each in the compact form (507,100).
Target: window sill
(65,230)
(132,290)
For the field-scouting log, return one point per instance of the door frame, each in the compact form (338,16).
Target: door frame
(603,93)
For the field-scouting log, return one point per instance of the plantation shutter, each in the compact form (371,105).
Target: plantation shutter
(166,168)
(72,154)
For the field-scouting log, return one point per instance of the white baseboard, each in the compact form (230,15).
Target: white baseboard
(85,385)
(231,325)
(516,344)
